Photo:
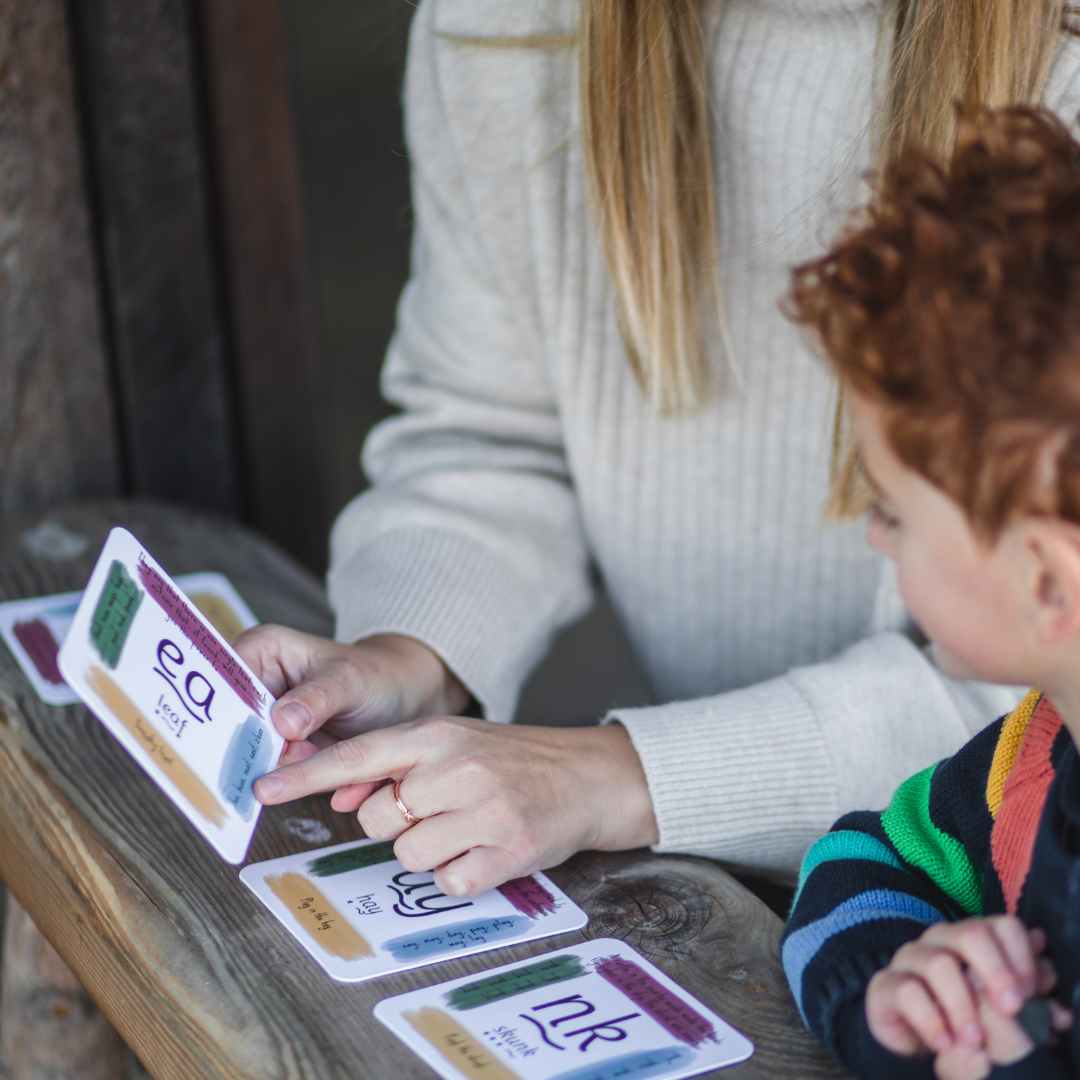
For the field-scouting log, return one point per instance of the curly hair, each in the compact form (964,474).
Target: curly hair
(953,302)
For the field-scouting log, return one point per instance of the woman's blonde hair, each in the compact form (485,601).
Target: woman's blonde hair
(647,139)
(645,104)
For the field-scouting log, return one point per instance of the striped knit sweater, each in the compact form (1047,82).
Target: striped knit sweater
(991,830)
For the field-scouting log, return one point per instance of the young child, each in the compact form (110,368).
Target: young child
(920,935)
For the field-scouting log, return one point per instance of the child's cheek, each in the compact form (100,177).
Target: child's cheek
(935,617)
(948,663)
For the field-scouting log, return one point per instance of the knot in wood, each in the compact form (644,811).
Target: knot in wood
(663,907)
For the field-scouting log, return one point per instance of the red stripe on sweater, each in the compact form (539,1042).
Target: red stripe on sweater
(1012,841)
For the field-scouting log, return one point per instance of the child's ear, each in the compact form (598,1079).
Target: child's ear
(1054,550)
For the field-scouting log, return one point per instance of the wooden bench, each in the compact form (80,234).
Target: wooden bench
(195,975)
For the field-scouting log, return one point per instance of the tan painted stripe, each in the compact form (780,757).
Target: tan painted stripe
(198,796)
(221,615)
(318,916)
(457,1045)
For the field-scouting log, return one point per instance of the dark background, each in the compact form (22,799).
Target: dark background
(346,62)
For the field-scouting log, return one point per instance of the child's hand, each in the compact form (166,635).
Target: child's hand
(1006,1042)
(926,999)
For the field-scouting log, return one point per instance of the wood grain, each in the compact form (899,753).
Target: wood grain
(139,80)
(194,973)
(57,437)
(57,422)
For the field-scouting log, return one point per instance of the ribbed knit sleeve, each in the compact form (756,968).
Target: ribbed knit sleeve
(876,881)
(470,538)
(773,765)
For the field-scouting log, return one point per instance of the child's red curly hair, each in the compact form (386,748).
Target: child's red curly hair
(954,303)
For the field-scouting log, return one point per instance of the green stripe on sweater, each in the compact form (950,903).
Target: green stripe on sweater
(938,854)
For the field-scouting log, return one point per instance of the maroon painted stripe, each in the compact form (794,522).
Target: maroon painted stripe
(652,997)
(177,609)
(40,645)
(529,897)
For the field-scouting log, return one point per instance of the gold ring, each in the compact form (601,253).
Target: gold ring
(406,813)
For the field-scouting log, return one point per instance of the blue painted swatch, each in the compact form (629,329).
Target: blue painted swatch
(457,937)
(637,1066)
(246,759)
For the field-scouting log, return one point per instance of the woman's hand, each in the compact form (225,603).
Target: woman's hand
(333,691)
(495,801)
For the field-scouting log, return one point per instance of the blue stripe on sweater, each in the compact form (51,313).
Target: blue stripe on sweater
(876,904)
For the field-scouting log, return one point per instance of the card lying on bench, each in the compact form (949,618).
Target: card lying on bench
(360,913)
(596,1011)
(167,684)
(34,628)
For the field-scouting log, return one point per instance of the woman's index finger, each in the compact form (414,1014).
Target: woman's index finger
(375,755)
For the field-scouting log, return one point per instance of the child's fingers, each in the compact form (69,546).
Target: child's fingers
(1015,941)
(962,1063)
(978,944)
(1061,1019)
(886,1020)
(941,972)
(918,1007)
(897,1035)
(1006,1040)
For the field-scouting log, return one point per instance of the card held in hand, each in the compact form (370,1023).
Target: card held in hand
(595,1011)
(169,687)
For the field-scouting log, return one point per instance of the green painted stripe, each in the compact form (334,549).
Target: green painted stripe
(844,844)
(518,981)
(357,858)
(114,613)
(921,844)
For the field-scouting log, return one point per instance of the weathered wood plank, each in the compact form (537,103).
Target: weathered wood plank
(57,424)
(57,435)
(198,978)
(5,903)
(140,87)
(273,320)
(49,1027)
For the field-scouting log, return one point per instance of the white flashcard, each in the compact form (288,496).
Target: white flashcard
(596,1011)
(360,913)
(169,687)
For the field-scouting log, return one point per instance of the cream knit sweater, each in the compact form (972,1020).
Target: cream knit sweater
(525,463)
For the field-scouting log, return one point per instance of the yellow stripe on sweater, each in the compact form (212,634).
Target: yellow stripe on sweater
(1008,746)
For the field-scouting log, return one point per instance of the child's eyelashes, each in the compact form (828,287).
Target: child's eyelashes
(882,518)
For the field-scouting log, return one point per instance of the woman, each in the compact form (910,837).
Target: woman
(594,375)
